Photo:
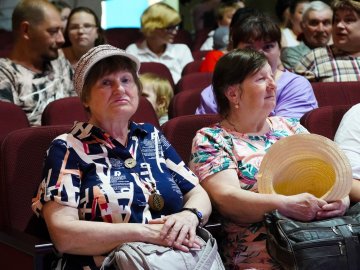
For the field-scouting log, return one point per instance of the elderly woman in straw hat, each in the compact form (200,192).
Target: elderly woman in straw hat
(109,172)
(226,157)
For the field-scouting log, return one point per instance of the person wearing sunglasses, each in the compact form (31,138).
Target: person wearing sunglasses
(82,32)
(159,24)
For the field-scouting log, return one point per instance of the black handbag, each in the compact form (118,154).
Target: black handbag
(325,244)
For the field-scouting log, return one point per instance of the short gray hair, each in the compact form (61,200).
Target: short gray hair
(314,6)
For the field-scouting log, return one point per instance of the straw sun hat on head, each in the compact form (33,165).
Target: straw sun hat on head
(94,55)
(305,163)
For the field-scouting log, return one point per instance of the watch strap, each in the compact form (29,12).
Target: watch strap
(197,213)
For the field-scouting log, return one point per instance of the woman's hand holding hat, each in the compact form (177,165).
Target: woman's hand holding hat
(333,209)
(303,207)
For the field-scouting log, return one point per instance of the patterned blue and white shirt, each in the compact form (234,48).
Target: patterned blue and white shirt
(85,169)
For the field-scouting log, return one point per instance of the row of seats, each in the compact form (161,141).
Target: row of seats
(23,238)
(183,103)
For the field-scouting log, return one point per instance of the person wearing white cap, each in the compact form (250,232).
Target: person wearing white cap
(227,155)
(110,180)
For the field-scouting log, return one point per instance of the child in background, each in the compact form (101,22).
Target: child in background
(159,92)
(224,14)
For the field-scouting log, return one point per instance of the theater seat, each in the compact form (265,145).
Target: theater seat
(123,37)
(64,111)
(324,120)
(191,98)
(12,117)
(336,93)
(191,67)
(193,81)
(67,110)
(181,130)
(24,242)
(157,68)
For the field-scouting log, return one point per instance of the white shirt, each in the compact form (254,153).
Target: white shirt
(348,138)
(208,45)
(175,57)
(288,38)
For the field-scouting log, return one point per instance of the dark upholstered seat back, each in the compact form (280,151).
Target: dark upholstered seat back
(157,68)
(185,103)
(336,93)
(12,117)
(324,120)
(22,156)
(68,110)
(181,130)
(192,67)
(193,81)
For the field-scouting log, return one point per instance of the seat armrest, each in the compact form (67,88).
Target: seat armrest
(24,251)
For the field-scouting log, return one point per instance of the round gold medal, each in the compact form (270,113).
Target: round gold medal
(156,202)
(130,163)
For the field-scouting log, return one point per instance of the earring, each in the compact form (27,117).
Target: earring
(236,106)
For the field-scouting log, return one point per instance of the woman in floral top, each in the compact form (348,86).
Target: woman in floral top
(226,157)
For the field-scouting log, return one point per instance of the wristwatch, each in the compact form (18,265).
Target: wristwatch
(198,214)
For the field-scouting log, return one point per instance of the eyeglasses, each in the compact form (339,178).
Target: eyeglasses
(171,28)
(86,28)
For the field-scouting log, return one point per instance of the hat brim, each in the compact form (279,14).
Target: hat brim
(305,163)
(93,56)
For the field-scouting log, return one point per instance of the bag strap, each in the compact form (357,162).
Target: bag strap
(351,246)
(210,251)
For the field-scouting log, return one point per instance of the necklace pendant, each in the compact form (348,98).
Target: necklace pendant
(156,202)
(130,163)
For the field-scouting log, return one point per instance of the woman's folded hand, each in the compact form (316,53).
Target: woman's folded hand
(178,230)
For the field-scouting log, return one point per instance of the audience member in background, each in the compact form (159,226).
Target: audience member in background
(101,179)
(64,9)
(316,25)
(221,42)
(213,56)
(340,61)
(290,34)
(159,92)
(226,157)
(294,94)
(36,72)
(82,33)
(348,138)
(159,24)
(224,14)
(282,10)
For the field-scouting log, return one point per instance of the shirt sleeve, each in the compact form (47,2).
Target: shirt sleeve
(211,153)
(290,57)
(7,84)
(182,175)
(207,102)
(296,98)
(61,177)
(348,138)
(185,57)
(306,66)
(211,58)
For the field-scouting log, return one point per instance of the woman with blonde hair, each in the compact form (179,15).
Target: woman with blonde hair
(159,92)
(159,24)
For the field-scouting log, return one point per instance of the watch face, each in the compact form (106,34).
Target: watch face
(199,214)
